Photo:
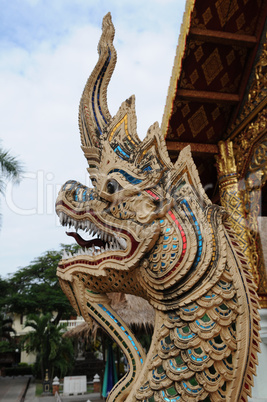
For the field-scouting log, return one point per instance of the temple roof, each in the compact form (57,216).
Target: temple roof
(218,48)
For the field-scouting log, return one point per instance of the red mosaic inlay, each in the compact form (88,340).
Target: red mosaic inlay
(152,194)
(173,217)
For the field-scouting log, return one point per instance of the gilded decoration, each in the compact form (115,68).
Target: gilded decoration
(198,121)
(250,156)
(212,66)
(254,104)
(229,15)
(249,137)
(158,237)
(231,199)
(226,9)
(252,177)
(189,7)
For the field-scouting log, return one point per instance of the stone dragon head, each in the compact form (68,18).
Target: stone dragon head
(158,236)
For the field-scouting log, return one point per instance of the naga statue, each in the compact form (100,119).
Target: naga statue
(158,237)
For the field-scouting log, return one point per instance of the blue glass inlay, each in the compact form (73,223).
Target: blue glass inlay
(98,84)
(195,391)
(122,328)
(84,195)
(215,347)
(127,176)
(173,317)
(148,168)
(158,376)
(176,398)
(76,198)
(72,182)
(205,326)
(223,313)
(196,359)
(227,365)
(190,309)
(209,296)
(176,368)
(198,233)
(224,285)
(164,347)
(118,148)
(181,336)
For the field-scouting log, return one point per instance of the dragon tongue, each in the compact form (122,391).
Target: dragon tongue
(86,243)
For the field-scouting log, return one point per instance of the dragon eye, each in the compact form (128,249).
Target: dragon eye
(113,186)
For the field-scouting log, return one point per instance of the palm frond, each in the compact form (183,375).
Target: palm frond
(10,168)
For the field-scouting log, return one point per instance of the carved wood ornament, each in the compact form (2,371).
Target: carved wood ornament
(158,237)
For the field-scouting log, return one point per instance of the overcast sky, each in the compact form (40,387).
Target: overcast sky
(48,48)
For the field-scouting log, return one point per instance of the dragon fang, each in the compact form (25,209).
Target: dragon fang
(158,237)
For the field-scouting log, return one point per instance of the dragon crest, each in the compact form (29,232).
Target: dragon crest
(159,237)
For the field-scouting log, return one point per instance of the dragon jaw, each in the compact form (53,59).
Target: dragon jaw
(118,244)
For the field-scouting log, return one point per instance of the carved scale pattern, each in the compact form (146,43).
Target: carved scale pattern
(158,237)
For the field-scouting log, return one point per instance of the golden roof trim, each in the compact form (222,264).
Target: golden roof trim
(189,6)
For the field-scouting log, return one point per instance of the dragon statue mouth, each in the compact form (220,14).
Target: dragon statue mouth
(113,244)
(104,242)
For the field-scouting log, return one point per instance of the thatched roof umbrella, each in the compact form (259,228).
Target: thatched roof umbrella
(136,312)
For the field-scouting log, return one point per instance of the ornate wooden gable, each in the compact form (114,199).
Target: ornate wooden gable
(218,93)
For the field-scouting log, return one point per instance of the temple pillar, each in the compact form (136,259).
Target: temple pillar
(240,195)
(231,198)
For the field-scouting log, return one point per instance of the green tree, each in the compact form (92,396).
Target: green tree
(4,294)
(7,342)
(35,289)
(6,327)
(10,168)
(53,351)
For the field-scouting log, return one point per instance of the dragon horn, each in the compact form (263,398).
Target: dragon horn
(94,115)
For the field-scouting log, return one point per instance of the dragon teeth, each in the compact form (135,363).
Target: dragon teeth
(64,255)
(121,242)
(61,217)
(113,243)
(114,246)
